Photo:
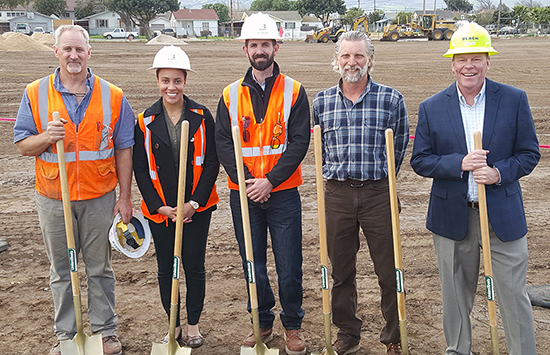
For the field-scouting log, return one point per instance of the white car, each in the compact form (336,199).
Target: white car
(39,30)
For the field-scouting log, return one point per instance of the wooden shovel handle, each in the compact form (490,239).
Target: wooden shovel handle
(398,259)
(486,246)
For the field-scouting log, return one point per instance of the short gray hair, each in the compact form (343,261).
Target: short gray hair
(64,28)
(353,36)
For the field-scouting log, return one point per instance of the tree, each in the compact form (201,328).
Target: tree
(529,3)
(271,5)
(84,8)
(221,10)
(505,15)
(50,7)
(403,17)
(521,13)
(375,16)
(486,5)
(12,4)
(352,14)
(321,9)
(459,5)
(142,12)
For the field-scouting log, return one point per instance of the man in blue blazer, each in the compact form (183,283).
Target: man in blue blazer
(444,150)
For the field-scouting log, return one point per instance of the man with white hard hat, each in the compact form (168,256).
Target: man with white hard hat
(272,113)
(444,150)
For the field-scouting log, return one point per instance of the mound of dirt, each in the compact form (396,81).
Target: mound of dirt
(18,42)
(44,38)
(164,39)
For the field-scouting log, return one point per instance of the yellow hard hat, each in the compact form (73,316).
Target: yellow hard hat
(259,26)
(470,38)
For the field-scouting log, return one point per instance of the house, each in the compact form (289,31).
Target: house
(7,14)
(289,21)
(159,23)
(195,22)
(104,22)
(33,19)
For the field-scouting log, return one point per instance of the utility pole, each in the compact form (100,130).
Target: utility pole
(231,18)
(424,7)
(435,1)
(498,21)
(374,6)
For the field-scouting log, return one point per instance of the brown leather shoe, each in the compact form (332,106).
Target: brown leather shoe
(344,347)
(266,335)
(111,345)
(394,349)
(195,341)
(295,342)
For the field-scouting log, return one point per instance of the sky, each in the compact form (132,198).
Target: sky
(411,5)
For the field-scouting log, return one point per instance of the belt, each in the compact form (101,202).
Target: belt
(473,204)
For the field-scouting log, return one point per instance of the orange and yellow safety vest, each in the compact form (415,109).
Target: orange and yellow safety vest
(89,151)
(263,143)
(199,144)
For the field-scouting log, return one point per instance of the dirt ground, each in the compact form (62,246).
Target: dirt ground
(417,69)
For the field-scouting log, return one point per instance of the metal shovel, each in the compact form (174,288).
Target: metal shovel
(486,246)
(260,347)
(398,260)
(172,347)
(322,237)
(81,343)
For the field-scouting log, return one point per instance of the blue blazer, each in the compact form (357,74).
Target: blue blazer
(440,145)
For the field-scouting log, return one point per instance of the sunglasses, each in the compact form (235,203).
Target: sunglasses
(246,133)
(277,131)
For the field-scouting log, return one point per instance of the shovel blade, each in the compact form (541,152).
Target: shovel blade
(82,344)
(170,348)
(258,349)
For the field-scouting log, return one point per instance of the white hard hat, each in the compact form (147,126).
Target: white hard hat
(171,57)
(259,26)
(132,239)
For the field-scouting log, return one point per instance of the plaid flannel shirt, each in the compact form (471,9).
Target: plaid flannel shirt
(353,134)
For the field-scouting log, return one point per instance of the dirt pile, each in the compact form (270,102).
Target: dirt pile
(18,42)
(164,39)
(44,38)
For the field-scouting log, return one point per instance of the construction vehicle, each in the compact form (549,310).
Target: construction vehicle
(424,28)
(337,27)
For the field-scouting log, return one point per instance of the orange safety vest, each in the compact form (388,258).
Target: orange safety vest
(89,149)
(265,142)
(199,144)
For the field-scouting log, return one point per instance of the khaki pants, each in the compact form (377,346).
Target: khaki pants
(91,222)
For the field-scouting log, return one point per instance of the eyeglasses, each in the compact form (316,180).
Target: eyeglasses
(246,133)
(277,131)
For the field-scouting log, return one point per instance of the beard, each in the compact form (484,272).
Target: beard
(74,67)
(263,65)
(353,74)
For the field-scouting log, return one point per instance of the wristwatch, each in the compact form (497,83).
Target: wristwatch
(194,204)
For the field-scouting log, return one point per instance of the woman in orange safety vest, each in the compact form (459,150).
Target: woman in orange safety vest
(156,159)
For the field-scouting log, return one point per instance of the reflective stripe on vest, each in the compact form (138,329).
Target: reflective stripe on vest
(89,147)
(234,113)
(266,141)
(199,140)
(48,156)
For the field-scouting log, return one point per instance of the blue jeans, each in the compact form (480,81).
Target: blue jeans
(282,215)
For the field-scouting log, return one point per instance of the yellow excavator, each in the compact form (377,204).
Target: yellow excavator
(337,27)
(424,28)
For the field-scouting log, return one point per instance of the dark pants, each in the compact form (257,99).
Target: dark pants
(350,205)
(282,215)
(193,251)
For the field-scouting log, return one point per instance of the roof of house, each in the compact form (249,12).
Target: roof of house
(280,15)
(100,14)
(195,14)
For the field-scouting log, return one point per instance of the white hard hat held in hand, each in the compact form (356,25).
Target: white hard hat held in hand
(259,26)
(171,57)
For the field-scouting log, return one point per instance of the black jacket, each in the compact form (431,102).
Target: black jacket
(166,167)
(299,131)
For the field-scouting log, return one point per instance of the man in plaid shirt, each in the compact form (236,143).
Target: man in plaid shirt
(353,116)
